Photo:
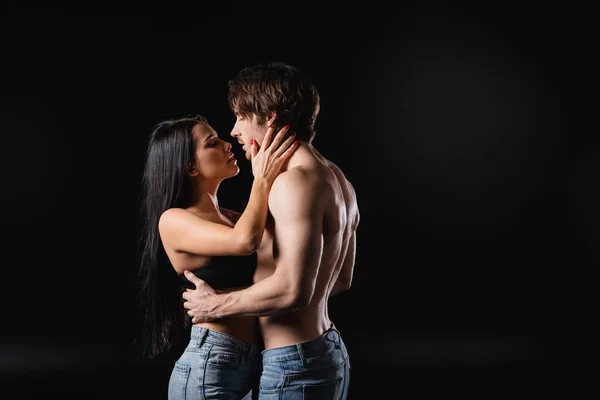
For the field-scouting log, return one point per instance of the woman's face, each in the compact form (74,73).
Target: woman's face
(214,159)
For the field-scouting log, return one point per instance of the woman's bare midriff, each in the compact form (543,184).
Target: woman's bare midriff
(242,328)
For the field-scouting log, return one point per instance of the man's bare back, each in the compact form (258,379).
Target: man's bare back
(334,213)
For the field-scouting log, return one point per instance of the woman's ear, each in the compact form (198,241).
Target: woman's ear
(192,171)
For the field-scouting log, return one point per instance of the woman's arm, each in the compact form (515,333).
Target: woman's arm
(184,231)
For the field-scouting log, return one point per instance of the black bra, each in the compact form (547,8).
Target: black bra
(224,272)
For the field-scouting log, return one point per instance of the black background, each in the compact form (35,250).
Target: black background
(479,226)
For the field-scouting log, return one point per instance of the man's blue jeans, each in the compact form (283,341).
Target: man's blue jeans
(317,369)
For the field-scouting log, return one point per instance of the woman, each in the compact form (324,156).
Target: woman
(185,229)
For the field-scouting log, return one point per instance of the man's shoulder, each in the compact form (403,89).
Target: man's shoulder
(297,178)
(298,186)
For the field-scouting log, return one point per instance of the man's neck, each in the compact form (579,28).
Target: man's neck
(298,157)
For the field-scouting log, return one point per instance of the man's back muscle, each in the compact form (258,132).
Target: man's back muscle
(307,238)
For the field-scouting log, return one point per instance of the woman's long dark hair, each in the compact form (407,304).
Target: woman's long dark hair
(165,184)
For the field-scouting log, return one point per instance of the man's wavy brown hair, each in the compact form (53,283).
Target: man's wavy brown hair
(276,87)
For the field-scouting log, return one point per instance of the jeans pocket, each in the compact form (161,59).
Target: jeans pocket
(329,390)
(178,381)
(271,379)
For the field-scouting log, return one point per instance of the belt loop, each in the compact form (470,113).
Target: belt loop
(202,336)
(245,350)
(301,353)
(338,338)
(334,329)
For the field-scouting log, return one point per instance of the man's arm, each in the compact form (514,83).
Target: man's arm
(298,245)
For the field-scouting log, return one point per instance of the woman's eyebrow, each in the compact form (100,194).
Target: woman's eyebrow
(209,137)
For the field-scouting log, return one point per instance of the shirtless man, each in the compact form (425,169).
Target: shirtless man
(308,248)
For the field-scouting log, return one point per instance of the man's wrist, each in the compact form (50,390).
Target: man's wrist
(223,307)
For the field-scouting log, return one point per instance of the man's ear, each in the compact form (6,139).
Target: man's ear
(271,118)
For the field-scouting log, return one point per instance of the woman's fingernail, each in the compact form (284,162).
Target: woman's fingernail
(287,126)
(251,142)
(296,143)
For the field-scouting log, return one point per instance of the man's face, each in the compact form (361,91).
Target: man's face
(247,128)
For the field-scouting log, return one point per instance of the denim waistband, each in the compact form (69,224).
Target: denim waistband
(202,335)
(312,348)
